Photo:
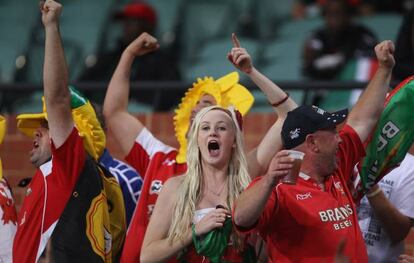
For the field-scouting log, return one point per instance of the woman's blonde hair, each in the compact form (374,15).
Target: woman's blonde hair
(189,191)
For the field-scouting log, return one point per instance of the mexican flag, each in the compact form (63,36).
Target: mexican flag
(361,69)
(391,139)
(358,69)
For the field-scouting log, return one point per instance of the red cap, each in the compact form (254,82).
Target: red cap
(138,10)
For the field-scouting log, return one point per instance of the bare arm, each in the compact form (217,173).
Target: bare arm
(251,203)
(273,93)
(259,158)
(394,222)
(241,59)
(55,76)
(370,105)
(123,125)
(156,247)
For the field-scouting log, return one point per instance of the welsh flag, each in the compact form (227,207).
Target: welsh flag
(391,138)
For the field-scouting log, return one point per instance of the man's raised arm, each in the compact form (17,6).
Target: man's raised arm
(123,125)
(55,76)
(370,105)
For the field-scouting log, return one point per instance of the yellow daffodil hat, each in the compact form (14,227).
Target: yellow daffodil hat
(226,91)
(84,118)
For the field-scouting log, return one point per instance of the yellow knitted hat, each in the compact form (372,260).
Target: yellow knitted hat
(226,91)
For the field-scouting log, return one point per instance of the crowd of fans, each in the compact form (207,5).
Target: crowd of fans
(209,200)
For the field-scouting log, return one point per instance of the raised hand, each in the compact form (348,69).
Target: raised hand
(50,12)
(143,44)
(385,54)
(239,56)
(280,166)
(210,221)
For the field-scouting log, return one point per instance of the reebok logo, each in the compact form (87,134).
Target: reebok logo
(303,196)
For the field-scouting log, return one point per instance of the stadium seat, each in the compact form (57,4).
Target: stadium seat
(385,26)
(17,18)
(168,14)
(212,59)
(299,30)
(29,104)
(203,21)
(270,15)
(32,71)
(8,55)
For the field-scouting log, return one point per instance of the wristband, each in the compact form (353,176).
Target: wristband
(372,194)
(276,104)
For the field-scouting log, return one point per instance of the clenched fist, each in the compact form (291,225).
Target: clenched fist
(143,44)
(385,54)
(50,12)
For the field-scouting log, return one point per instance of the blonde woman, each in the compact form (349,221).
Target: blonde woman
(191,207)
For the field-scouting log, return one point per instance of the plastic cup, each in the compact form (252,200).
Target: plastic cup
(292,176)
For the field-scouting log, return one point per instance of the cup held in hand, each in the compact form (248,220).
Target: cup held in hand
(293,174)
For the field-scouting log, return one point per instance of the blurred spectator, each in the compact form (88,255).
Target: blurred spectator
(404,48)
(380,6)
(309,8)
(330,48)
(136,18)
(386,213)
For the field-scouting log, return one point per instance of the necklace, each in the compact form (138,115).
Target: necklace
(218,192)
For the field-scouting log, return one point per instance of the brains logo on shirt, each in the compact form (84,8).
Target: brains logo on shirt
(156,186)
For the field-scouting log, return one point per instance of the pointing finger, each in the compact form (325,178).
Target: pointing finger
(236,42)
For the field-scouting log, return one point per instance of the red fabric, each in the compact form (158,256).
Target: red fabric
(156,171)
(7,208)
(302,223)
(47,196)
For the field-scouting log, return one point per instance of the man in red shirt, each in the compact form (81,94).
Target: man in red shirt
(65,200)
(52,185)
(308,221)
